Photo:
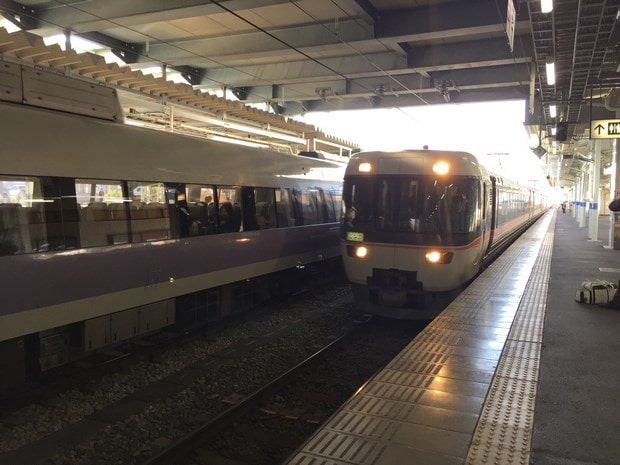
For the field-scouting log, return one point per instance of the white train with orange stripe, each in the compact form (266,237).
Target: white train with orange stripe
(418,225)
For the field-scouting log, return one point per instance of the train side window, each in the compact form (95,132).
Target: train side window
(89,191)
(337,204)
(285,212)
(309,207)
(201,208)
(297,207)
(330,205)
(178,212)
(148,211)
(61,213)
(464,199)
(229,211)
(485,200)
(321,203)
(264,208)
(22,216)
(103,212)
(502,205)
(358,201)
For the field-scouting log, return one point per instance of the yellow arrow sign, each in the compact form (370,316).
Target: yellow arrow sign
(605,129)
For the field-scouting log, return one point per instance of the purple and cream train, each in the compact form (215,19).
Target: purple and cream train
(419,224)
(109,231)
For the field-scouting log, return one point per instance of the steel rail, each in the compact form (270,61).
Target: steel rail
(184,446)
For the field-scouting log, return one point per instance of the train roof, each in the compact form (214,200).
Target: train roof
(52,143)
(422,161)
(416,161)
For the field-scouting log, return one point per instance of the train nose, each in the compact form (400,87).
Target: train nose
(394,288)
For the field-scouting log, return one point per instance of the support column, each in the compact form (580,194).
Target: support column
(576,191)
(593,211)
(614,191)
(581,202)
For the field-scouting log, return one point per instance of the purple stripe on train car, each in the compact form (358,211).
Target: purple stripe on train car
(30,281)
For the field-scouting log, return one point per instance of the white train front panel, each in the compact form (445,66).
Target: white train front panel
(419,223)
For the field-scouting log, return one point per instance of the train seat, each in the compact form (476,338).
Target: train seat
(14,226)
(197,217)
(118,211)
(137,210)
(96,211)
(264,219)
(9,215)
(236,218)
(156,210)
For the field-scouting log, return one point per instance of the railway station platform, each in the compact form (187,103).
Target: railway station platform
(513,371)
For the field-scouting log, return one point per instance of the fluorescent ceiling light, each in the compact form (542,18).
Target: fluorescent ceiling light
(546,6)
(550,73)
(552,111)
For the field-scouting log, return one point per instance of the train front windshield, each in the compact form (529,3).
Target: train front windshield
(419,209)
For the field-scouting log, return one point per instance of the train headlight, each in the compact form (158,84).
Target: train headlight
(364,167)
(357,251)
(441,167)
(361,252)
(438,257)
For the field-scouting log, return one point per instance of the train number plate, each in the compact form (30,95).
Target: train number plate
(355,236)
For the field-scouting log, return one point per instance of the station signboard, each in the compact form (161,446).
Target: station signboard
(605,129)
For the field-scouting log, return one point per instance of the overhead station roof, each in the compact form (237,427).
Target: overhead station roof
(289,57)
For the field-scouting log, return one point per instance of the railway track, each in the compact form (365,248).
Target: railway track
(183,448)
(148,403)
(270,423)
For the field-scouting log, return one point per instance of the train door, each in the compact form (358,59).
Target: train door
(483,207)
(492,213)
(482,219)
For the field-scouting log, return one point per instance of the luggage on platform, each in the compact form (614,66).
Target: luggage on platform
(596,291)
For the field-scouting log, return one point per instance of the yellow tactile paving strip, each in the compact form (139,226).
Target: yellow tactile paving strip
(463,391)
(504,431)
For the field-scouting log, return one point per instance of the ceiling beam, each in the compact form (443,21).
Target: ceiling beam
(437,20)
(100,15)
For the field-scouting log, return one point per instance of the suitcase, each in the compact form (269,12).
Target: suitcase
(596,291)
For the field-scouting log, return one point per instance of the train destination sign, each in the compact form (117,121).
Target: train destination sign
(605,129)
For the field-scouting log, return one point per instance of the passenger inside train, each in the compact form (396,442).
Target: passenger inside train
(44,214)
